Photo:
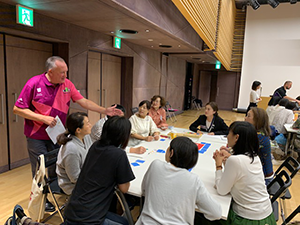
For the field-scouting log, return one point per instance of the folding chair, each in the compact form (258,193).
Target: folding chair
(134,110)
(197,103)
(292,166)
(291,216)
(281,182)
(51,186)
(170,112)
(124,206)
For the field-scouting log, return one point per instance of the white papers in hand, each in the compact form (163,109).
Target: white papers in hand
(53,132)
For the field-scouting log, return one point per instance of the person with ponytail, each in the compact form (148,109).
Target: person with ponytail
(211,122)
(75,143)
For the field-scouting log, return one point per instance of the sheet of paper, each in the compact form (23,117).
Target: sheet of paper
(53,132)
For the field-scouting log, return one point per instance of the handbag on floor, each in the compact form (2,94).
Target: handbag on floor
(35,206)
(14,219)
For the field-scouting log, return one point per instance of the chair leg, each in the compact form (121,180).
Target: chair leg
(58,209)
(41,207)
(282,208)
(175,119)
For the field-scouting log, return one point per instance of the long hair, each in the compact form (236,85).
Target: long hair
(247,143)
(185,153)
(261,120)
(74,121)
(116,131)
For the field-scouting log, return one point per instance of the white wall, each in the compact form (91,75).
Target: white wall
(271,50)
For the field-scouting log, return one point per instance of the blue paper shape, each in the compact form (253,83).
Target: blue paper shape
(162,139)
(135,164)
(140,161)
(161,151)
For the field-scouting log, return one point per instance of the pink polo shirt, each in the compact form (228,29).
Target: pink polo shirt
(42,97)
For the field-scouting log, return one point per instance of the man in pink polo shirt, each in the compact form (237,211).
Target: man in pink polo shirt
(43,98)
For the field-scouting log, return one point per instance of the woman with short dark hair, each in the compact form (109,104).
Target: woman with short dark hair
(143,127)
(171,191)
(105,167)
(243,177)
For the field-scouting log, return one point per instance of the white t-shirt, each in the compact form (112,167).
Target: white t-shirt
(281,117)
(142,126)
(171,194)
(254,96)
(245,181)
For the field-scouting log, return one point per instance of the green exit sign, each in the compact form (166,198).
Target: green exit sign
(218,65)
(24,15)
(117,42)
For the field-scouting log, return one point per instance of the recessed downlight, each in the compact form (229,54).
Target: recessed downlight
(126,31)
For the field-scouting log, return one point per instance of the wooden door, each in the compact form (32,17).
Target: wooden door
(104,81)
(94,84)
(226,90)
(25,58)
(111,80)
(3,118)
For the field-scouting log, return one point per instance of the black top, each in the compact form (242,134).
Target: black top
(218,126)
(279,93)
(103,169)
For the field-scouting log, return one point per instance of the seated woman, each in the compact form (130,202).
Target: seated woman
(106,166)
(97,130)
(259,119)
(243,177)
(75,144)
(142,125)
(157,112)
(210,122)
(171,191)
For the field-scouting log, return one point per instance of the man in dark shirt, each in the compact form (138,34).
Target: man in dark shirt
(280,93)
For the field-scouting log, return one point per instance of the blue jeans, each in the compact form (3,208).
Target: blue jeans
(110,219)
(38,147)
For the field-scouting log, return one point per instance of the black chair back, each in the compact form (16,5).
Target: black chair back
(282,181)
(291,165)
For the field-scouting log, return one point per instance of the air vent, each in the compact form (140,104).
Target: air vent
(165,46)
(126,31)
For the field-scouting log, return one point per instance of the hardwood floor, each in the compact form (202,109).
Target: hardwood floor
(15,185)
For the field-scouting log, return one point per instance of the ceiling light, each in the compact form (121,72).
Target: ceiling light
(147,30)
(150,39)
(179,46)
(254,4)
(273,3)
(126,31)
(112,32)
(293,1)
